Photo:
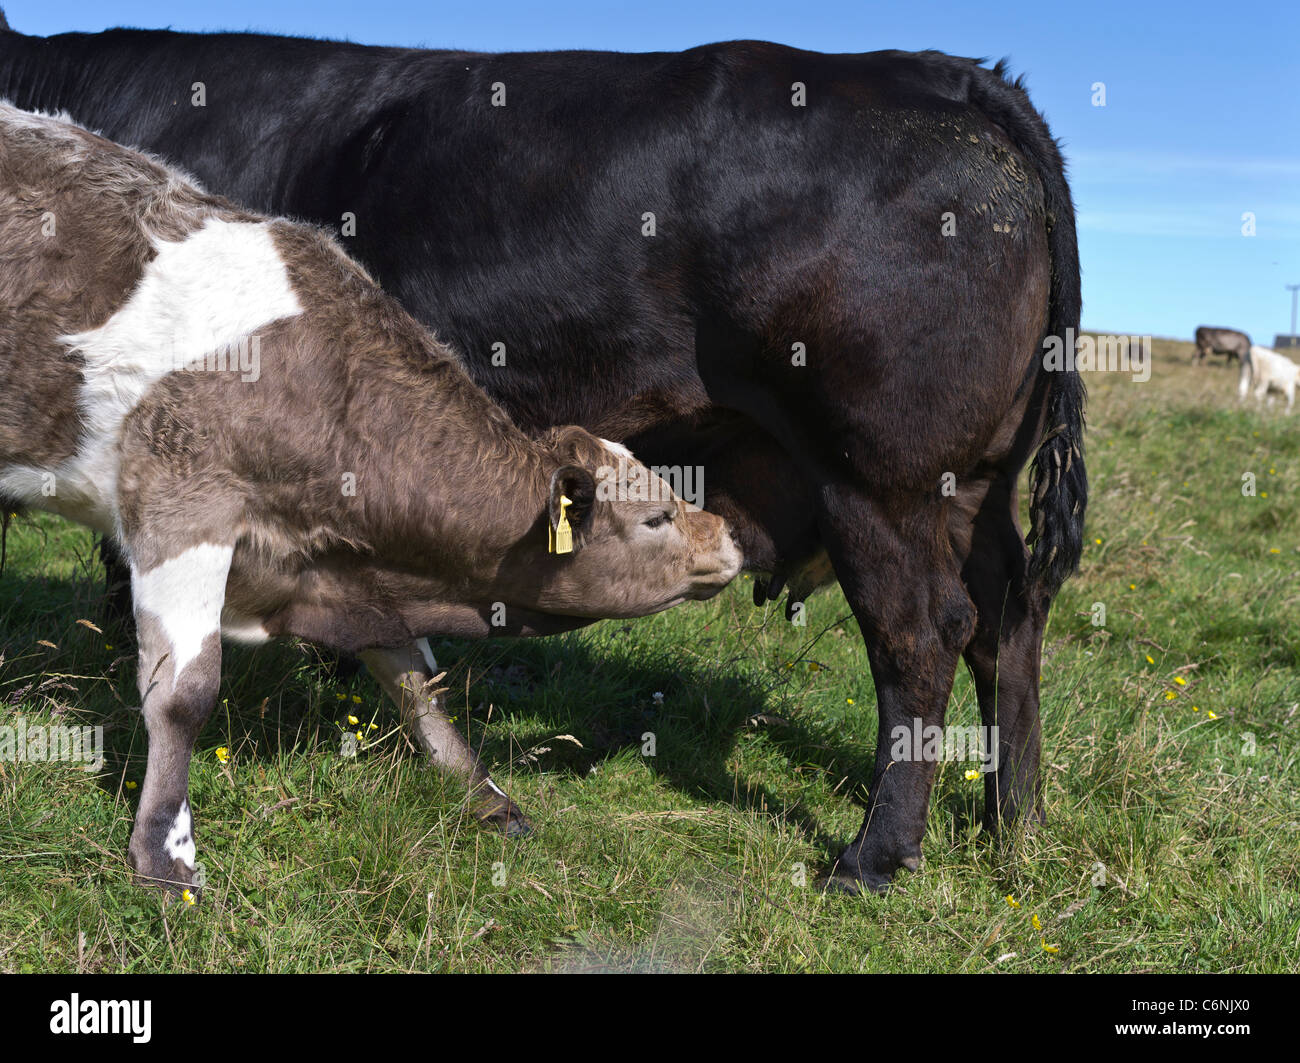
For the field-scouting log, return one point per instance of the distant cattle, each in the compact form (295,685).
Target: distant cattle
(1236,345)
(826,279)
(279,449)
(1264,370)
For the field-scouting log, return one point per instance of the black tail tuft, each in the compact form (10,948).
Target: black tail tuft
(4,22)
(1058,485)
(1058,480)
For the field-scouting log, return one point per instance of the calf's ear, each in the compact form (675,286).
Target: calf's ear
(578,486)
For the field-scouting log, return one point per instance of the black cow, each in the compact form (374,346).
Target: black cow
(828,279)
(1209,340)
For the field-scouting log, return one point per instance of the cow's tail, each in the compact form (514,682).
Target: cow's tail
(1058,480)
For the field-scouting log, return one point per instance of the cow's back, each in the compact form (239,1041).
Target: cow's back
(593,215)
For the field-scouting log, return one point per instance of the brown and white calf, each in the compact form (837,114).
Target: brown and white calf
(280,449)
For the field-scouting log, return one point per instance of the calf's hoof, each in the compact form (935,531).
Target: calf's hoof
(506,817)
(518,827)
(156,871)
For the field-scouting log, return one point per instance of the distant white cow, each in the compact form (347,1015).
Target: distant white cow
(1265,369)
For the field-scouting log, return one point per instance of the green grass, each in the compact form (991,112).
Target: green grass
(691,860)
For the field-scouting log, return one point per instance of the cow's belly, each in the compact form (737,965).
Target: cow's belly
(247,630)
(81,489)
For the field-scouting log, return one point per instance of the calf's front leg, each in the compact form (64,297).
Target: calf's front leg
(405,674)
(178,620)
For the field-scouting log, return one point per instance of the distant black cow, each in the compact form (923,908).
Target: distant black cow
(1236,345)
(827,279)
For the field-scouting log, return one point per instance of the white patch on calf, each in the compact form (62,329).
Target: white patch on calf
(245,629)
(423,646)
(201,294)
(185,594)
(618,450)
(180,839)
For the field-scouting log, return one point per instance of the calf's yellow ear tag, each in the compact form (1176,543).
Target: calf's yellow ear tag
(560,536)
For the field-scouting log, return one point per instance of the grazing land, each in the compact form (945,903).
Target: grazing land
(1171,766)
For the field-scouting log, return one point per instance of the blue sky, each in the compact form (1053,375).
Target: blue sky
(1201,123)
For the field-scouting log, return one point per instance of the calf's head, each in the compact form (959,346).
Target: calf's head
(622,543)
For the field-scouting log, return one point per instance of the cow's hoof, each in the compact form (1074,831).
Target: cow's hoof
(846,885)
(855,872)
(518,828)
(1013,821)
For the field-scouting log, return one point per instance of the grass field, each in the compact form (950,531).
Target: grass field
(1170,759)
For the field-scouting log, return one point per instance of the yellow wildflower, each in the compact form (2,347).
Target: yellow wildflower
(1180,680)
(352,720)
(1011,901)
(972,774)
(1052,949)
(1037,923)
(223,754)
(188,897)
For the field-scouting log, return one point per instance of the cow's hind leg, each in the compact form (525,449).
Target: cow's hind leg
(897,569)
(1004,653)
(405,674)
(178,600)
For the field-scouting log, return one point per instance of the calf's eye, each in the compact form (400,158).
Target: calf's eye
(658,520)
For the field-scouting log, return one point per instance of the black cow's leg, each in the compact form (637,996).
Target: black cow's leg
(896,567)
(1004,654)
